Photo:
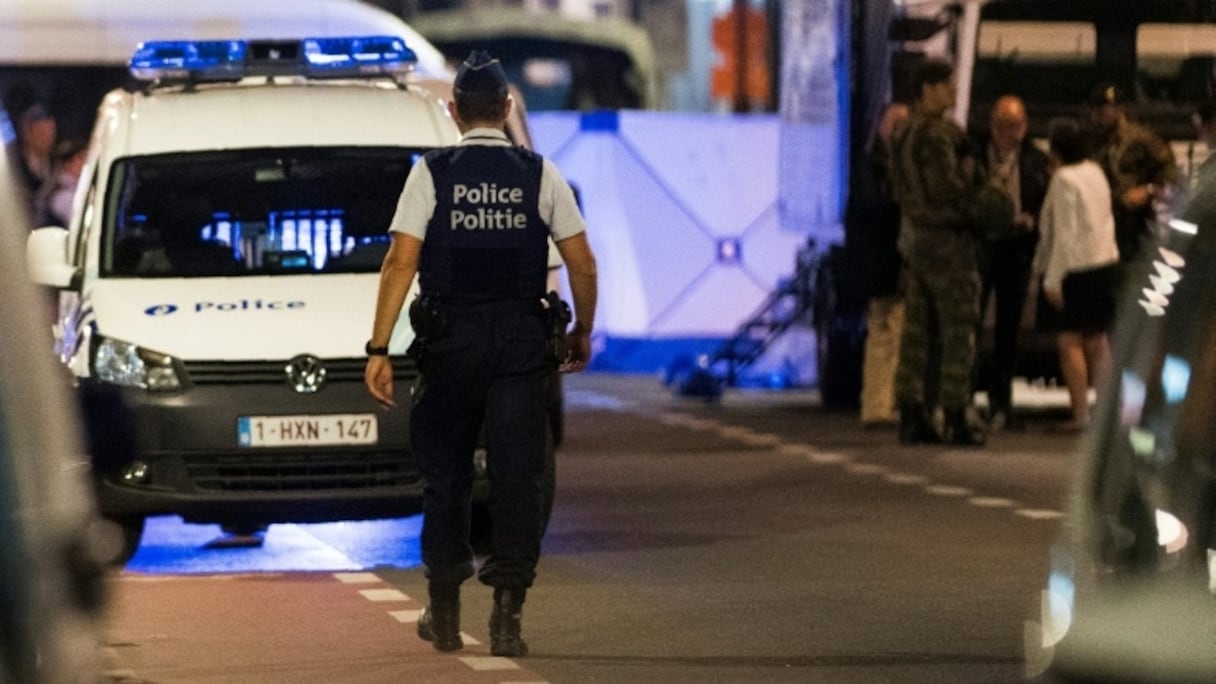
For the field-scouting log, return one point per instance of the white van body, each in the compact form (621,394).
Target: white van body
(100,32)
(245,376)
(73,52)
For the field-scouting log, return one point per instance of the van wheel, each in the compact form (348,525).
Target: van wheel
(125,542)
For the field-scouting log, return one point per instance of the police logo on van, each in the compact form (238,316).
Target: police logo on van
(160,310)
(221,307)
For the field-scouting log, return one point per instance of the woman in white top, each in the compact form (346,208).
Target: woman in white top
(1078,259)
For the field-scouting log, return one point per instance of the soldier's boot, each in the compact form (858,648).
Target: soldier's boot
(915,427)
(440,622)
(505,618)
(960,431)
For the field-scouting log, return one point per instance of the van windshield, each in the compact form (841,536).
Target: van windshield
(274,211)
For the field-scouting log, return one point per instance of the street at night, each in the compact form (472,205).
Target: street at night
(756,538)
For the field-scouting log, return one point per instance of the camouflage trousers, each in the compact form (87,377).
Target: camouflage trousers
(941,309)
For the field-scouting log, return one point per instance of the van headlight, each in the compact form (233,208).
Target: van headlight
(127,364)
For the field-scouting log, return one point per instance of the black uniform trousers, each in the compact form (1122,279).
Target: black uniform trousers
(1006,278)
(491,364)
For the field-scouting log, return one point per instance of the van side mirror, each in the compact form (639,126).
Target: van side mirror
(46,257)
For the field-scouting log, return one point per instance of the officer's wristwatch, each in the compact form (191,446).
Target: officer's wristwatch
(375,351)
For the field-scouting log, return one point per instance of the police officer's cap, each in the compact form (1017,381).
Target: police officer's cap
(481,74)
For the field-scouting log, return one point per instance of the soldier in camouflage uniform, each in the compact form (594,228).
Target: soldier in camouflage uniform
(1139,165)
(934,175)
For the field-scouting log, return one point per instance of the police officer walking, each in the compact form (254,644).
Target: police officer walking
(473,223)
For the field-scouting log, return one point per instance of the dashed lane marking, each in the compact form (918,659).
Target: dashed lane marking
(804,450)
(406,616)
(905,479)
(828,458)
(947,490)
(991,502)
(384,595)
(1038,513)
(411,617)
(747,436)
(813,455)
(486,663)
(357,577)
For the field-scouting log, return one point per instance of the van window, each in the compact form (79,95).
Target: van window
(252,212)
(1175,62)
(1050,64)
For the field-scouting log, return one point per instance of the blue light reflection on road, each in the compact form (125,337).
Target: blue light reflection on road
(173,547)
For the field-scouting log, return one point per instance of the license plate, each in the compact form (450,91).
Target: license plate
(288,431)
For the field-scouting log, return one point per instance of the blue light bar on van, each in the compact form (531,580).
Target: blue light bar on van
(235,59)
(193,60)
(368,54)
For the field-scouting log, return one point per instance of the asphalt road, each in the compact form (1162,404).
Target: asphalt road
(754,539)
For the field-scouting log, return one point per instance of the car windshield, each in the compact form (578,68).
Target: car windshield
(252,212)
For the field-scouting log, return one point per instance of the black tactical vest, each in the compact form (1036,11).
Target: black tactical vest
(486,239)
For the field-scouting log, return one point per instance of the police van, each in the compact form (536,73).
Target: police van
(220,272)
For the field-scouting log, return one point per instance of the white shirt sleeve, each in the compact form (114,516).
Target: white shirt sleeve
(416,204)
(1065,226)
(557,205)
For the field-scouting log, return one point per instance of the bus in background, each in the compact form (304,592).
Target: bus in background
(1053,54)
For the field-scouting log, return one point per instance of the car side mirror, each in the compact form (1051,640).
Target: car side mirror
(46,257)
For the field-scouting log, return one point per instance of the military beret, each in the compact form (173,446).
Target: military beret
(481,73)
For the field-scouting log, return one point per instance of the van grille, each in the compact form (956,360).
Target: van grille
(295,472)
(274,372)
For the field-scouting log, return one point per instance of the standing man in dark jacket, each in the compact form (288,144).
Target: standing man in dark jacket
(473,223)
(934,174)
(1009,161)
(1139,165)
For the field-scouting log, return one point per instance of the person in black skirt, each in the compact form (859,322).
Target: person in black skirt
(1078,258)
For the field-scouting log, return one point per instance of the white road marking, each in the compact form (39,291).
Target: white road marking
(905,479)
(828,458)
(817,457)
(384,595)
(357,577)
(761,439)
(1038,513)
(411,617)
(947,490)
(486,663)
(797,450)
(991,502)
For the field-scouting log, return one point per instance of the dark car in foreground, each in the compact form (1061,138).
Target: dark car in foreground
(50,540)
(1130,596)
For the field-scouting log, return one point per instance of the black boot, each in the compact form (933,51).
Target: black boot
(914,426)
(960,431)
(440,622)
(505,639)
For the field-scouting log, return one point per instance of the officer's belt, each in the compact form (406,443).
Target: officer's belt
(502,305)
